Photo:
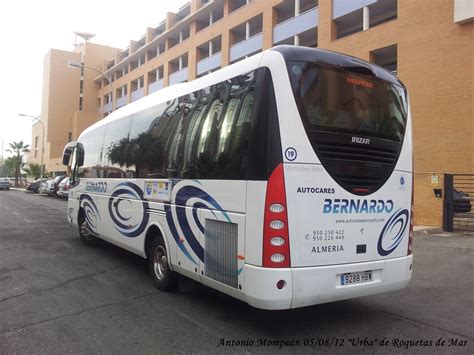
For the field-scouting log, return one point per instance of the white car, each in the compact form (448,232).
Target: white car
(50,187)
(63,189)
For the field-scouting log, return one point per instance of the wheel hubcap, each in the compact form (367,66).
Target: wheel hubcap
(160,263)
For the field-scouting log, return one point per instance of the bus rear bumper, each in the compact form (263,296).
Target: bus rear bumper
(308,286)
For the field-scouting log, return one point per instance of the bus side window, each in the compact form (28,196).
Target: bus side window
(195,119)
(116,148)
(93,153)
(233,134)
(216,136)
(149,140)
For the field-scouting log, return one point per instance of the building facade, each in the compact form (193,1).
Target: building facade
(428,44)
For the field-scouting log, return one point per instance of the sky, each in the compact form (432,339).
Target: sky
(29,28)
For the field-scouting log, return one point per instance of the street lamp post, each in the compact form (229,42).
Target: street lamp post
(3,171)
(72,64)
(37,118)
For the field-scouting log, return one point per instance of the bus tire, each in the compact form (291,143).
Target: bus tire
(163,277)
(86,236)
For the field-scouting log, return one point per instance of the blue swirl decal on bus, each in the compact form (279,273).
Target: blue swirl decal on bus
(393,232)
(91,212)
(134,223)
(183,195)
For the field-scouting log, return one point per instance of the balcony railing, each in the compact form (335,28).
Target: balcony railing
(137,94)
(296,25)
(251,45)
(122,101)
(209,63)
(179,76)
(344,7)
(108,107)
(155,86)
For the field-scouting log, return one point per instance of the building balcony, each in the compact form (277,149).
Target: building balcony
(179,76)
(108,107)
(137,94)
(155,86)
(246,47)
(209,63)
(344,7)
(296,25)
(122,101)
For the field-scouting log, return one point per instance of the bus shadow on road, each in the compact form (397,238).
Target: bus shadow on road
(196,298)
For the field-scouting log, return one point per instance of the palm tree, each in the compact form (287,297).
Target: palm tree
(18,149)
(34,170)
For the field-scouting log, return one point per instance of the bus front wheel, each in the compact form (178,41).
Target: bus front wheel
(163,277)
(86,235)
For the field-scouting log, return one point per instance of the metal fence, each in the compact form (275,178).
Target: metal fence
(458,214)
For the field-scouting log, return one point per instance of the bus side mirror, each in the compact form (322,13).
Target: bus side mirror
(79,154)
(67,153)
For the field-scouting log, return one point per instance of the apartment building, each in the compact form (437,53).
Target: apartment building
(69,101)
(428,44)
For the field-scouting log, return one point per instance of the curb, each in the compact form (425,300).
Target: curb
(427,231)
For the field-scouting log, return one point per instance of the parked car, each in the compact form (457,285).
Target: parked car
(50,187)
(461,202)
(63,188)
(35,185)
(4,183)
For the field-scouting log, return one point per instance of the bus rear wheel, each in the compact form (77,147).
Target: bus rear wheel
(87,237)
(163,277)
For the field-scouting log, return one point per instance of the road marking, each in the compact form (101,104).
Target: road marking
(27,220)
(15,213)
(7,208)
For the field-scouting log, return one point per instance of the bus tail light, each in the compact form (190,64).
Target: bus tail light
(410,235)
(276,246)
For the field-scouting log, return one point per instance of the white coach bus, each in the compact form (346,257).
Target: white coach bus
(283,180)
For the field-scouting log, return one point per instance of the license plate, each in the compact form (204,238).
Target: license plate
(352,278)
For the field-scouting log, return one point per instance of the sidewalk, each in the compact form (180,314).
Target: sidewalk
(425,230)
(18,188)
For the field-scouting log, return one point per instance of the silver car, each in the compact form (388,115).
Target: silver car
(4,183)
(46,187)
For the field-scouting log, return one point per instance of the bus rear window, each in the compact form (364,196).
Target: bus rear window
(346,100)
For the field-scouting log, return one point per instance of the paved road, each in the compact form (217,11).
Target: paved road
(58,296)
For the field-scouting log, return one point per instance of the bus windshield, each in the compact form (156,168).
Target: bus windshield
(341,99)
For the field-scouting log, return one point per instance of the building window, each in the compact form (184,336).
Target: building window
(237,4)
(215,15)
(136,84)
(386,57)
(121,91)
(246,29)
